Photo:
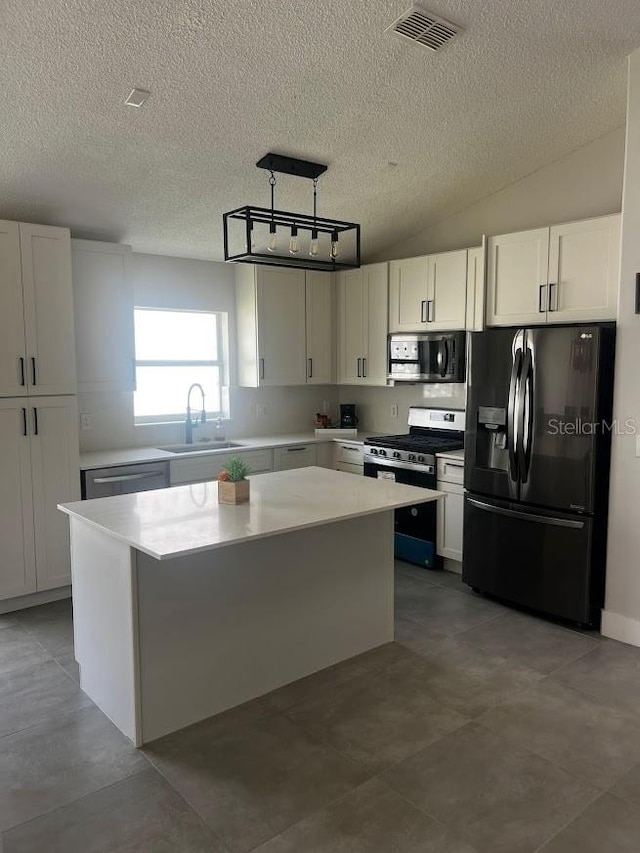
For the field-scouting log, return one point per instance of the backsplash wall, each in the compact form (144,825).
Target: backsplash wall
(374,404)
(254,412)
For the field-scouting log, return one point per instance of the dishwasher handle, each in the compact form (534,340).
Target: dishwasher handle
(126,478)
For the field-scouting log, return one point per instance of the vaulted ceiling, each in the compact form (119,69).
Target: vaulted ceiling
(525,82)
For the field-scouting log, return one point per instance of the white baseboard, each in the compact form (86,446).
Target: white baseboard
(619,627)
(21,602)
(451,565)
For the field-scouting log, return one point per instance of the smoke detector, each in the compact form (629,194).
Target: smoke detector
(425,28)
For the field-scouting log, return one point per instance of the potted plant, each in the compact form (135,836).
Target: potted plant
(233,487)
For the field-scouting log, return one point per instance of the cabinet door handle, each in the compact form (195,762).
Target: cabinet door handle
(262,368)
(350,449)
(33,370)
(541,299)
(553,302)
(35,420)
(21,369)
(24,422)
(295,449)
(359,370)
(364,368)
(310,371)
(430,310)
(423,311)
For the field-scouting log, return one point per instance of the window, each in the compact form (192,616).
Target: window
(174,349)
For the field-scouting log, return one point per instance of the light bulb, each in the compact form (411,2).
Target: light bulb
(293,242)
(272,245)
(313,247)
(334,246)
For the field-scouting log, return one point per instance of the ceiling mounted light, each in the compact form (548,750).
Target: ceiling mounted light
(137,97)
(251,233)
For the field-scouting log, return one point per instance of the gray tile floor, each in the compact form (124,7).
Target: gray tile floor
(480,729)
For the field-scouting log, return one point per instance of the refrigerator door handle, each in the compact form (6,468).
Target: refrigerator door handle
(512,419)
(527,516)
(524,412)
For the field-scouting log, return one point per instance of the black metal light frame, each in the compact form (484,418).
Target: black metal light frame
(251,215)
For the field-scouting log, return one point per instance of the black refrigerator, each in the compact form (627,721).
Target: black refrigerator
(537,452)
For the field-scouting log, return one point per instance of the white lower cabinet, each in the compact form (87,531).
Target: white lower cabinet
(40,469)
(450,511)
(296,456)
(200,469)
(349,457)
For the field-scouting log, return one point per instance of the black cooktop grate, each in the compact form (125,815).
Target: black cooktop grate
(416,443)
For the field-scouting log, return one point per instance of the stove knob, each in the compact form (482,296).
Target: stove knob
(374,452)
(420,458)
(411,457)
(396,455)
(383,452)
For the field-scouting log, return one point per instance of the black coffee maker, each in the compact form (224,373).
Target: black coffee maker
(348,417)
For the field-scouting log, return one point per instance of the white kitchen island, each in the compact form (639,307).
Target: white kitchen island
(183,608)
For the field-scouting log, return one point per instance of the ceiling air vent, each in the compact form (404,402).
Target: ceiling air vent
(424,27)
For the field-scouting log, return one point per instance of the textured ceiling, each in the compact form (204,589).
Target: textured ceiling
(526,82)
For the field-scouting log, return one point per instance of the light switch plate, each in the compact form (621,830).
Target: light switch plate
(394,410)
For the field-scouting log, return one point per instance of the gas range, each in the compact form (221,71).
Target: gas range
(431,431)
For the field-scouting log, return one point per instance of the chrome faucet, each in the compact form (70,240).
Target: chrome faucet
(189,424)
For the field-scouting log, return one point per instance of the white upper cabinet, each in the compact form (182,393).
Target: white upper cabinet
(567,273)
(428,293)
(584,270)
(103,308)
(351,322)
(271,321)
(37,347)
(517,278)
(447,291)
(48,309)
(319,303)
(12,344)
(376,312)
(362,325)
(408,288)
(476,265)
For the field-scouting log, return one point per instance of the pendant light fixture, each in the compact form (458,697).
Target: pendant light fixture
(251,234)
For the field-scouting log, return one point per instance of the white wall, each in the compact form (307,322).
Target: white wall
(165,282)
(587,182)
(621,617)
(374,404)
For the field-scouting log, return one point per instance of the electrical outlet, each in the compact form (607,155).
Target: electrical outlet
(394,410)
(86,421)
(261,410)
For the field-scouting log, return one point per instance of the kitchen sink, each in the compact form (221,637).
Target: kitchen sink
(200,446)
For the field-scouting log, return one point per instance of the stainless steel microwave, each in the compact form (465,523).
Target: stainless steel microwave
(429,357)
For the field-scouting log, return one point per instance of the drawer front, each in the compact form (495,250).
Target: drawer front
(202,468)
(450,471)
(353,454)
(296,456)
(350,468)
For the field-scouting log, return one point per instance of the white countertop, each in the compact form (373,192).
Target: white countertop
(456,455)
(184,520)
(132,455)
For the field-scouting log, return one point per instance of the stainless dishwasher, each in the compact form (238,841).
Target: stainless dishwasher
(124,479)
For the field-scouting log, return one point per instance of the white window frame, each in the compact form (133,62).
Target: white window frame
(221,324)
